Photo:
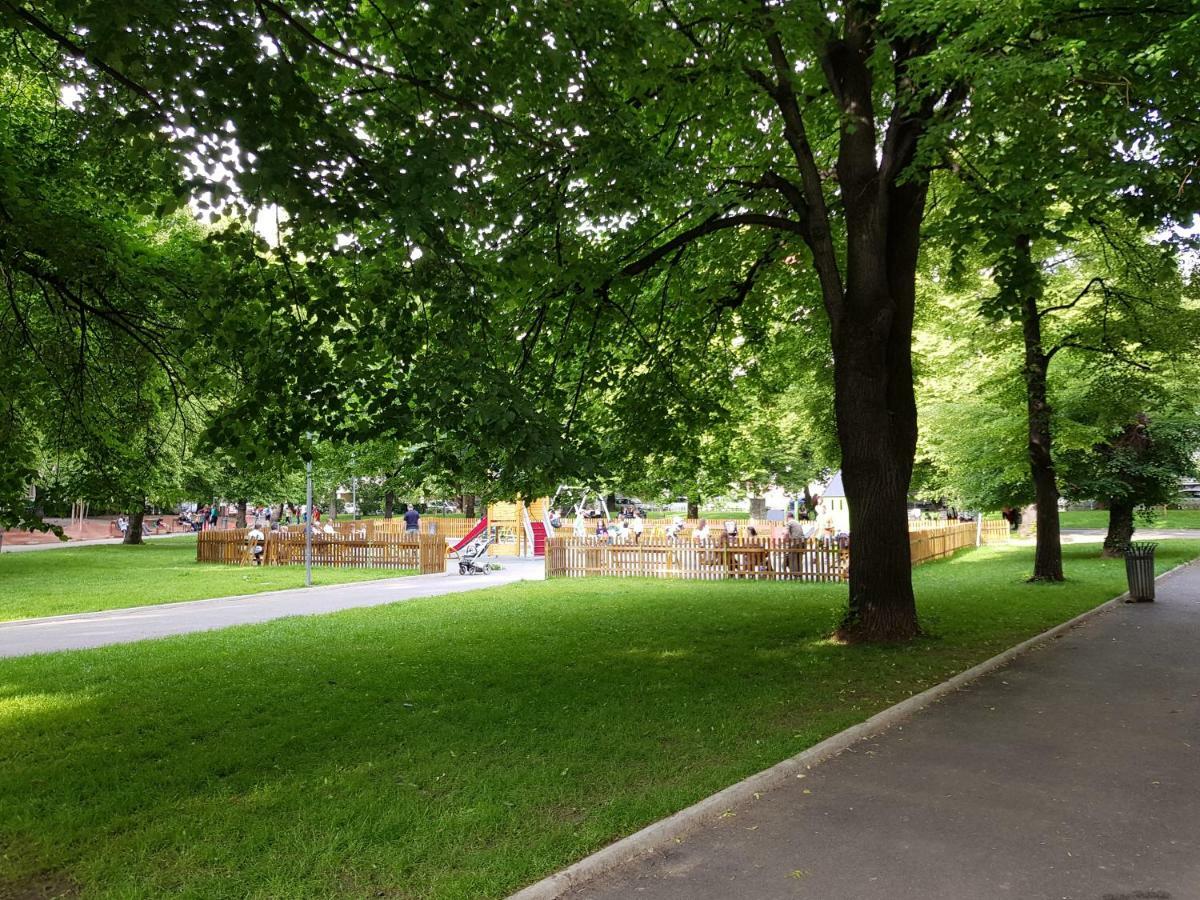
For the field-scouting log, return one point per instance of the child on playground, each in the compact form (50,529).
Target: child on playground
(674,529)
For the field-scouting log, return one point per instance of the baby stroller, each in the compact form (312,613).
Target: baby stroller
(471,554)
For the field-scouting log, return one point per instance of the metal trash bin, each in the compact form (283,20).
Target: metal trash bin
(1139,569)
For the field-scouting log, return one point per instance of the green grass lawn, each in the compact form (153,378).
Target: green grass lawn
(1098,518)
(112,576)
(464,746)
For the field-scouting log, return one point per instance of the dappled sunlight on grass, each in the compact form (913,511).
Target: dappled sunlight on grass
(20,709)
(655,653)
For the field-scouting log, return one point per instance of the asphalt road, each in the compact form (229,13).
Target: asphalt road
(118,626)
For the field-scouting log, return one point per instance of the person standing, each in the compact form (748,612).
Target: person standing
(638,526)
(255,539)
(794,533)
(412,520)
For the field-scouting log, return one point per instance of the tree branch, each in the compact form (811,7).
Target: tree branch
(79,52)
(1098,280)
(709,226)
(818,236)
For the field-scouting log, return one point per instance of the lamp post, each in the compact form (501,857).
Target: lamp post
(308,518)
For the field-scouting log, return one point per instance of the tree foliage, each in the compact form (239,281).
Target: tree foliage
(549,238)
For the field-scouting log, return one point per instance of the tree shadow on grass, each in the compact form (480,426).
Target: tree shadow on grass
(446,747)
(405,736)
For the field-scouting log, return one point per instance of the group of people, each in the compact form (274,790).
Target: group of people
(630,528)
(208,516)
(149,526)
(204,517)
(617,530)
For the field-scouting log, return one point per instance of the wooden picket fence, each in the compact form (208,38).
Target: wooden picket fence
(990,528)
(934,543)
(753,558)
(994,531)
(227,546)
(816,559)
(425,553)
(444,526)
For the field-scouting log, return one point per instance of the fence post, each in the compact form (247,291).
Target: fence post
(979,528)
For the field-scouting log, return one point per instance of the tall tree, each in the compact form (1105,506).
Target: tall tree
(596,191)
(1050,157)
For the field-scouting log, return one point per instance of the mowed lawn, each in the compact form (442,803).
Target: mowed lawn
(112,576)
(457,746)
(1098,518)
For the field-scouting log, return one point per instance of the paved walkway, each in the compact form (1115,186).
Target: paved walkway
(1090,535)
(1073,773)
(119,626)
(90,542)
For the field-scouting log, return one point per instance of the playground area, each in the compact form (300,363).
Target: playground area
(601,545)
(733,554)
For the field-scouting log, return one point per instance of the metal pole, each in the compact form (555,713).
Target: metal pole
(354,485)
(308,523)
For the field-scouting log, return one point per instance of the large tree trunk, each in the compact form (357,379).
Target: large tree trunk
(693,507)
(241,514)
(1047,559)
(1120,528)
(758,507)
(877,437)
(873,386)
(133,534)
(333,501)
(389,504)
(468,505)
